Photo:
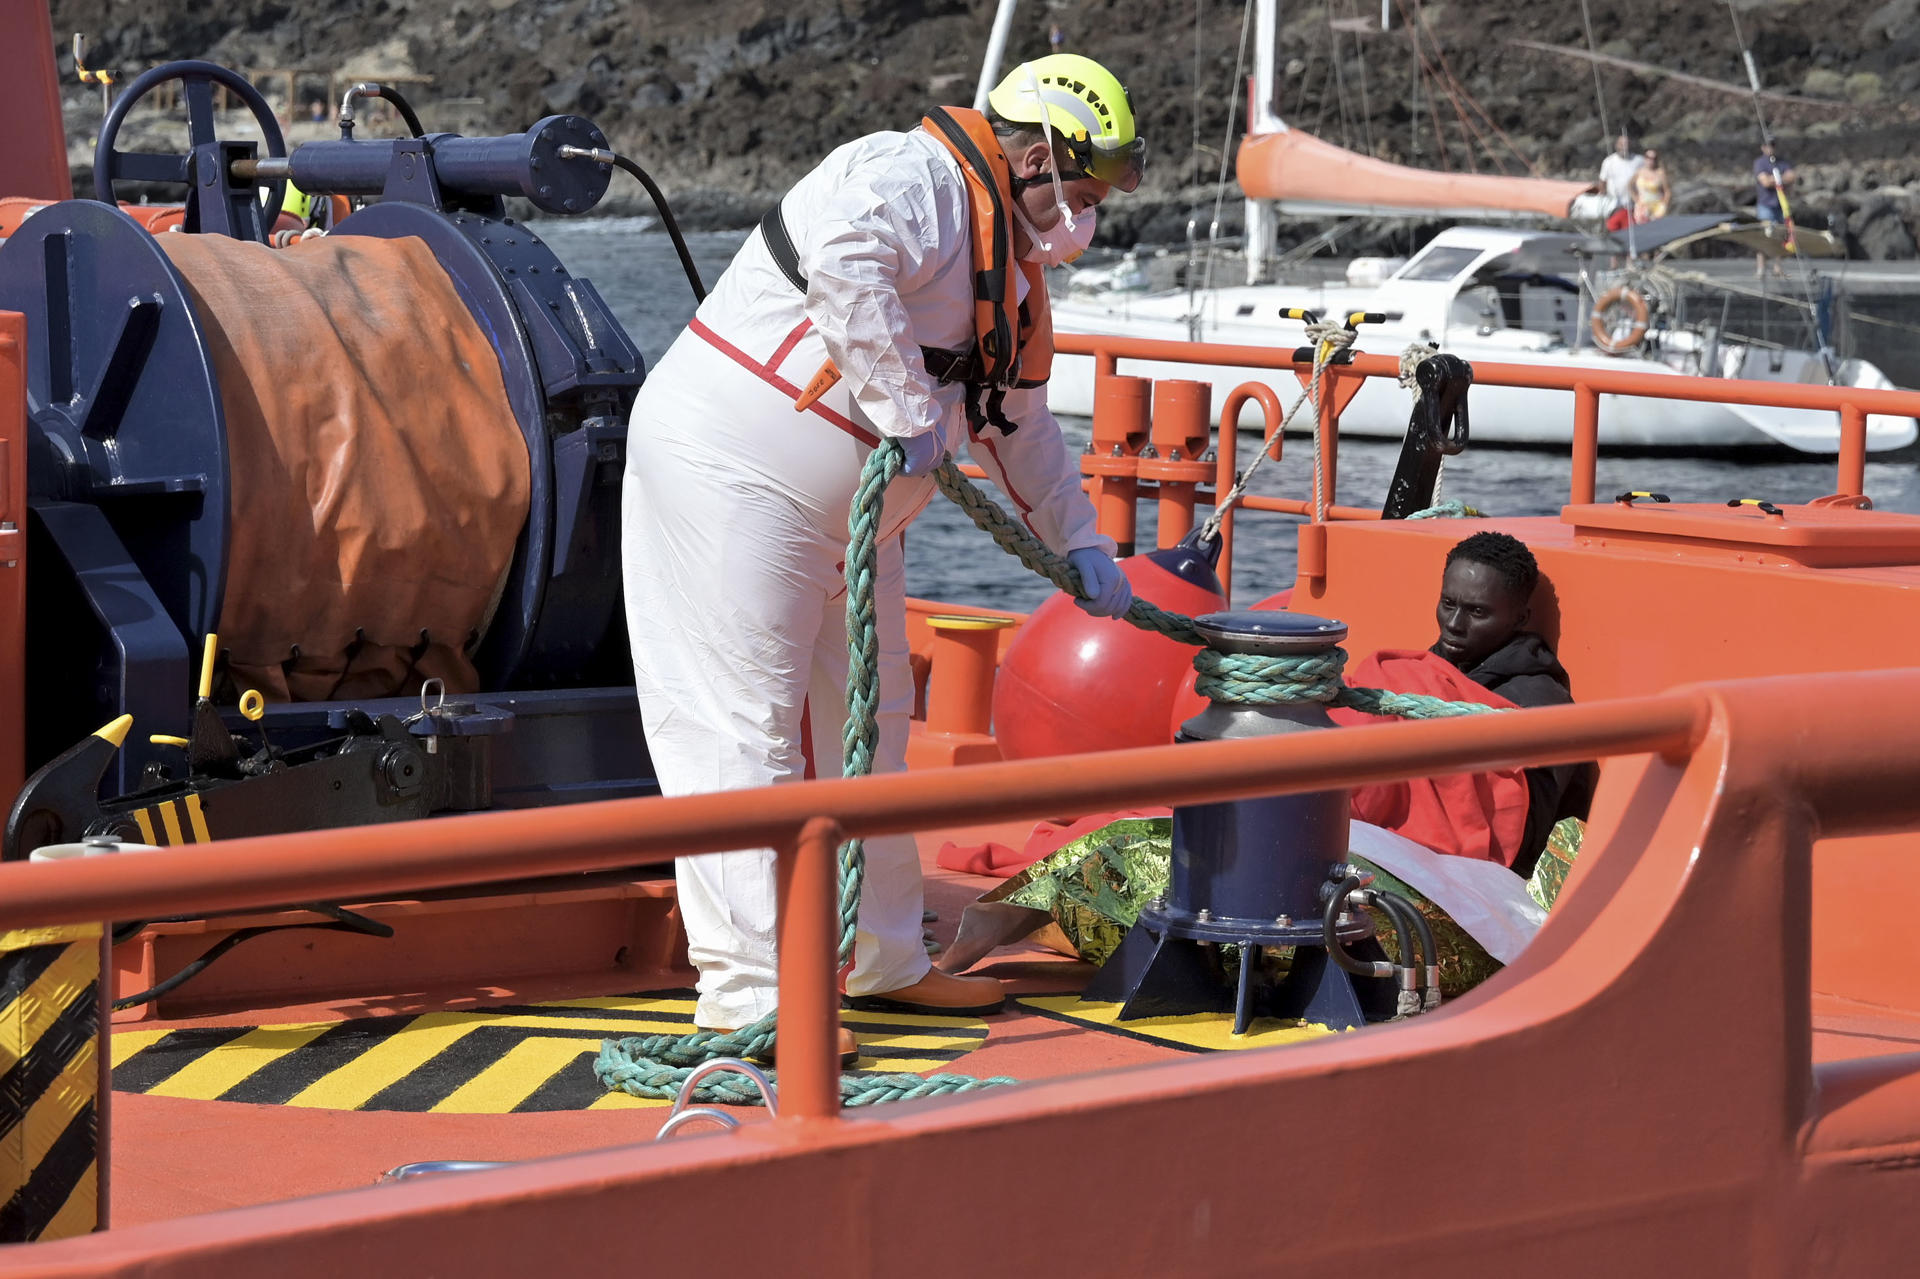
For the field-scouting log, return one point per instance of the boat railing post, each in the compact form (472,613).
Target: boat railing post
(1853,449)
(1586,442)
(807,1050)
(1122,414)
(1175,459)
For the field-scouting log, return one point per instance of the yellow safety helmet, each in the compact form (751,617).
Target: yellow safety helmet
(1086,107)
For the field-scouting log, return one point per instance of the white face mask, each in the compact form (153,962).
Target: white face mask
(1061,245)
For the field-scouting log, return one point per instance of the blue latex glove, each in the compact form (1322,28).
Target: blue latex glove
(1108,593)
(923,453)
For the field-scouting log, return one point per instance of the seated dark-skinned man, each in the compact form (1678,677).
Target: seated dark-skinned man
(1484,654)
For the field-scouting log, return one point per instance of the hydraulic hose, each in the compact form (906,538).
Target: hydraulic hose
(600,155)
(1407,971)
(1336,902)
(1427,951)
(346,921)
(385,92)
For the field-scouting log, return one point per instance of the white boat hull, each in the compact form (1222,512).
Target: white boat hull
(1427,307)
(1515,415)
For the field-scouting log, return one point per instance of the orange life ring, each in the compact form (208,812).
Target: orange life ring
(1604,334)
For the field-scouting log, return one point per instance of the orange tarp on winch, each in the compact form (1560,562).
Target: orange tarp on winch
(379,480)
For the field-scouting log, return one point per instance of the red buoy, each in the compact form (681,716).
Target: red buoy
(1072,683)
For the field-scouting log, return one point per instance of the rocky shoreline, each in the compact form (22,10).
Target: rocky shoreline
(727,105)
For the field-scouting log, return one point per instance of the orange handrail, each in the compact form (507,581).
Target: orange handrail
(1852,403)
(805,822)
(478,848)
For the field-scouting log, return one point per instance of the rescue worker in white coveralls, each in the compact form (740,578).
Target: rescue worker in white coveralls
(861,281)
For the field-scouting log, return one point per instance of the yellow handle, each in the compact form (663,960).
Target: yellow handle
(115,732)
(252,705)
(168,739)
(207,654)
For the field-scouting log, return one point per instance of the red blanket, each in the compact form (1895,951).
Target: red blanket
(1466,814)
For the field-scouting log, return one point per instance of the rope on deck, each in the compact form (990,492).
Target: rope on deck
(657,1066)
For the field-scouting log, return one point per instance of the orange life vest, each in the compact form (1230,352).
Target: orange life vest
(1014,344)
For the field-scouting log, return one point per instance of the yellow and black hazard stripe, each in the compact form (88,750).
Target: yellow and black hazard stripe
(506,1059)
(181,821)
(49,1082)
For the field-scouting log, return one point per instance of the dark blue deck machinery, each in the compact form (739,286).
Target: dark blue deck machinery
(131,516)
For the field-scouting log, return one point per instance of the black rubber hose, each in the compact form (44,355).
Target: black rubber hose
(1337,952)
(346,921)
(1427,949)
(666,220)
(405,109)
(1396,910)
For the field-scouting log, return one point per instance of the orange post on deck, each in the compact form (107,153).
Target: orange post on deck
(1175,457)
(1853,449)
(1586,441)
(1122,413)
(807,1050)
(959,727)
(13,550)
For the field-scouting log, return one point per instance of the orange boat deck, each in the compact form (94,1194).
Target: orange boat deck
(177,1156)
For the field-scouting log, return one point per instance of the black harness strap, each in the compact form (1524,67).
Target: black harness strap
(773,228)
(985,402)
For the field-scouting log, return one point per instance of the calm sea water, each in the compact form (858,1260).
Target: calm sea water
(636,270)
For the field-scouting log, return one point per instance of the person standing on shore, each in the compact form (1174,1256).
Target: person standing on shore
(900,284)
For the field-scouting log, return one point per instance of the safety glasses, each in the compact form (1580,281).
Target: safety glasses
(1120,166)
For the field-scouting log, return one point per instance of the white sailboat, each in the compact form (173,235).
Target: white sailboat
(1483,293)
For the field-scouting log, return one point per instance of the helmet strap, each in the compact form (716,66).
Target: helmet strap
(1053,150)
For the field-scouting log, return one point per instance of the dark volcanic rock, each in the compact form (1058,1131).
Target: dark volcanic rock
(726,102)
(1879,228)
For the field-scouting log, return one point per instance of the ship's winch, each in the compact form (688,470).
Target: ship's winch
(368,460)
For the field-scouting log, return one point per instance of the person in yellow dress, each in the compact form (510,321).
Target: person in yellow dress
(1651,191)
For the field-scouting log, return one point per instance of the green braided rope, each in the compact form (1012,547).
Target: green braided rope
(1451,509)
(1251,679)
(1029,550)
(1257,679)
(658,1065)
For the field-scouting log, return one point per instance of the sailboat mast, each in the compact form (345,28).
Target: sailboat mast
(1260,222)
(996,46)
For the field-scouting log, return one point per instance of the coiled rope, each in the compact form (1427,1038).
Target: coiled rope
(657,1066)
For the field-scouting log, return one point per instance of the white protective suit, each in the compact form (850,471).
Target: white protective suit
(734,519)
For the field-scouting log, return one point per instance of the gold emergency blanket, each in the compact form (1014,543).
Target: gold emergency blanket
(379,480)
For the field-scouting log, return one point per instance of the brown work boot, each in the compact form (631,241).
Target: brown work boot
(939,993)
(849,1048)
